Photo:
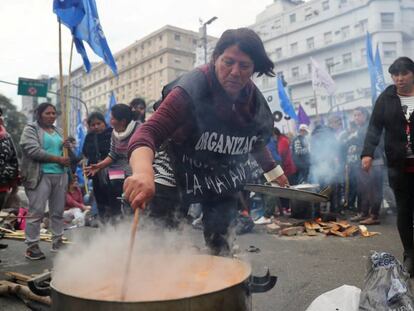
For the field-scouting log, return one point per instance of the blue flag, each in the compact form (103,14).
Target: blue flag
(284,100)
(375,70)
(81,17)
(112,102)
(80,134)
(380,81)
(80,137)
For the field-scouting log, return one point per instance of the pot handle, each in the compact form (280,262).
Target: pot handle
(40,285)
(261,284)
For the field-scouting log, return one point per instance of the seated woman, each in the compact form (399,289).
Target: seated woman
(74,208)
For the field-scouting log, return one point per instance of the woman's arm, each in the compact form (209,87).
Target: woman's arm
(139,188)
(95,168)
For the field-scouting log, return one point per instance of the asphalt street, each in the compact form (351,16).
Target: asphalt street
(306,266)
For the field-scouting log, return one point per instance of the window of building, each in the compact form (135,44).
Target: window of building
(292,18)
(161,60)
(327,37)
(276,24)
(177,61)
(177,37)
(347,59)
(363,53)
(309,66)
(342,2)
(310,43)
(387,20)
(389,49)
(278,53)
(160,38)
(345,32)
(308,16)
(294,47)
(295,72)
(349,96)
(362,26)
(329,62)
(325,5)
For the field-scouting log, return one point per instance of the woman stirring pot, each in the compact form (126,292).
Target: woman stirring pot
(212,118)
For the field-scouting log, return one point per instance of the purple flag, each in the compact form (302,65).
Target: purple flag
(302,116)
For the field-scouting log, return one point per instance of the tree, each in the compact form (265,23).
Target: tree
(14,120)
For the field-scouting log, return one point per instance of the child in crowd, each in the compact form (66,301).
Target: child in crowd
(74,207)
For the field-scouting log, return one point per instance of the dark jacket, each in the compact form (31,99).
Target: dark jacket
(96,146)
(9,167)
(388,116)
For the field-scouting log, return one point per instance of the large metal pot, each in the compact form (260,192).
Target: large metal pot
(235,297)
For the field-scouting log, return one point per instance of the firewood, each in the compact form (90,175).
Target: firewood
(7,287)
(16,276)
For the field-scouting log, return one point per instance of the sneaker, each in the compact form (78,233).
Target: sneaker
(370,221)
(358,217)
(33,252)
(263,221)
(57,246)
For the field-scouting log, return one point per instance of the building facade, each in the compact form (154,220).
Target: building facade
(144,68)
(333,32)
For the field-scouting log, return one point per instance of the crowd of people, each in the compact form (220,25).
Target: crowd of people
(198,147)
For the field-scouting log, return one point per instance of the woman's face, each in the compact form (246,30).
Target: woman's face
(233,70)
(359,118)
(404,81)
(97,126)
(118,125)
(48,116)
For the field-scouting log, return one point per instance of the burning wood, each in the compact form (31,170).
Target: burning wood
(313,228)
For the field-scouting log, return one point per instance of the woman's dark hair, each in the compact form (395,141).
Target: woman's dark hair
(276,131)
(122,112)
(96,115)
(41,108)
(251,44)
(401,65)
(364,111)
(138,102)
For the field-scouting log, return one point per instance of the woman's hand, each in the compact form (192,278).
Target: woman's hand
(139,189)
(366,163)
(282,181)
(69,142)
(92,170)
(64,161)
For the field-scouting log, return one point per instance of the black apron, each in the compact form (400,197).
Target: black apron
(213,161)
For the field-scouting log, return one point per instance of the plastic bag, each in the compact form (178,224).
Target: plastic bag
(386,285)
(344,298)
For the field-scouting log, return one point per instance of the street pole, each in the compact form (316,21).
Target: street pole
(205,36)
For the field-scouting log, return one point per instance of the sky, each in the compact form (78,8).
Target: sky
(29,33)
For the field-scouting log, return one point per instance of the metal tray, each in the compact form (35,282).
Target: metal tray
(287,193)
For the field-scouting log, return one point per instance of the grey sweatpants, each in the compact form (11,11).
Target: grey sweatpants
(52,188)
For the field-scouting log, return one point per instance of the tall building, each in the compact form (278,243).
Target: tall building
(144,67)
(333,33)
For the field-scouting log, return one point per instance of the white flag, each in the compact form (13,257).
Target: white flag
(322,79)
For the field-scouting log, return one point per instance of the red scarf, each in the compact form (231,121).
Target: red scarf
(3,132)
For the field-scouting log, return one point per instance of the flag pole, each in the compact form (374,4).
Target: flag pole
(68,106)
(62,95)
(316,105)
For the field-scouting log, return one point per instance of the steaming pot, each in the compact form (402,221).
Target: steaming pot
(233,297)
